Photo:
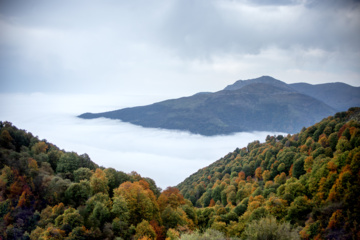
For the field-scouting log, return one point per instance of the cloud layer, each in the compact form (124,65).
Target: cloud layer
(168,157)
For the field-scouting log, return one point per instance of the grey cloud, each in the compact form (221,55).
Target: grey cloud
(207,29)
(194,26)
(204,28)
(273,2)
(332,4)
(59,45)
(95,46)
(308,3)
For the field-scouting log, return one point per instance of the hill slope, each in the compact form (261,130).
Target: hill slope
(310,179)
(263,105)
(47,193)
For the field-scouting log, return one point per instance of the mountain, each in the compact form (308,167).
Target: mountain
(263,104)
(340,96)
(259,106)
(310,179)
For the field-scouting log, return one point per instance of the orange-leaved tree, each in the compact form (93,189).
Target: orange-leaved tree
(141,202)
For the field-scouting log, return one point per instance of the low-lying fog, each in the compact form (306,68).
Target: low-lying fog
(166,156)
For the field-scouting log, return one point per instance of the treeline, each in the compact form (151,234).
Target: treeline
(310,180)
(304,185)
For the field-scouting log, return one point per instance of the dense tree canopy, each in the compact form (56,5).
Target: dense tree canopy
(310,179)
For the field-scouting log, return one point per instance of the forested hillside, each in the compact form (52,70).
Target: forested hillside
(47,193)
(310,179)
(304,185)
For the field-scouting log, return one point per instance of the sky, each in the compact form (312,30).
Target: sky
(177,47)
(59,59)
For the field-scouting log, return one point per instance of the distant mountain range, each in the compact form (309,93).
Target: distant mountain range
(261,104)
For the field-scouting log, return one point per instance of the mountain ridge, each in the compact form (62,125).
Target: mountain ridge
(346,96)
(261,104)
(263,79)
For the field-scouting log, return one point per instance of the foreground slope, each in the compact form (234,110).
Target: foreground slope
(311,179)
(264,104)
(48,193)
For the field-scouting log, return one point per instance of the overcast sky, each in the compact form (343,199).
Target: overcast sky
(177,47)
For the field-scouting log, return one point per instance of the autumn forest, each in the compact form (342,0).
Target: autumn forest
(300,186)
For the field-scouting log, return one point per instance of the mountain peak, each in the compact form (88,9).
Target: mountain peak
(263,79)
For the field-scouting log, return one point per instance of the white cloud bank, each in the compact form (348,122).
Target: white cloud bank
(168,157)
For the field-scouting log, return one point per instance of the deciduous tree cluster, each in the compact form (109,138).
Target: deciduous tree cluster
(310,180)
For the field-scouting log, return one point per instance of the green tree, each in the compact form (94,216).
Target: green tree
(99,215)
(299,209)
(69,219)
(78,193)
(333,139)
(55,191)
(82,174)
(343,144)
(98,209)
(120,209)
(298,168)
(296,189)
(281,167)
(6,140)
(173,217)
(68,162)
(54,155)
(216,193)
(113,181)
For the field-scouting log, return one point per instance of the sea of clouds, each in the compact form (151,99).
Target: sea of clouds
(166,156)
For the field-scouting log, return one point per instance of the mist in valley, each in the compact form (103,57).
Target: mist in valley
(166,156)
